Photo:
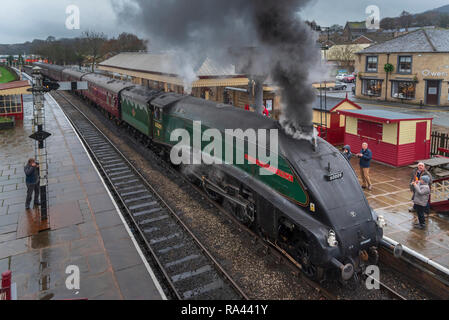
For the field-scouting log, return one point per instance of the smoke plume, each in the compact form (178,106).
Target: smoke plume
(264,38)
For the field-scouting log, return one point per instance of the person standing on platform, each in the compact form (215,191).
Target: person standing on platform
(32,182)
(266,113)
(421,199)
(365,155)
(416,176)
(347,153)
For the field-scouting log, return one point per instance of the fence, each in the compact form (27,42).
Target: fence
(439,145)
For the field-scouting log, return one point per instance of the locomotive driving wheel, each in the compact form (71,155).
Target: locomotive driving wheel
(309,269)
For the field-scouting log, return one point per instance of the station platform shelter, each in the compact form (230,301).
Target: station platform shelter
(330,124)
(396,139)
(11,98)
(210,80)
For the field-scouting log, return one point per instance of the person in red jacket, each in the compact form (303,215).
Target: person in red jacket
(247,108)
(265,112)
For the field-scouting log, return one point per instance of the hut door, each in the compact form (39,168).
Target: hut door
(421,141)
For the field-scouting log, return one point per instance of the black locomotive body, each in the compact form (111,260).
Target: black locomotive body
(331,229)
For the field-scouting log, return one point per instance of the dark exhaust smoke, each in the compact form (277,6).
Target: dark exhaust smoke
(278,44)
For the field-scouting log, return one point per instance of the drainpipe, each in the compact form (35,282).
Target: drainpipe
(386,84)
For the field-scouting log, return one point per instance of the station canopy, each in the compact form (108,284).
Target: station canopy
(14,88)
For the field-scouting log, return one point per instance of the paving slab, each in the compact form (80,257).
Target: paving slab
(81,212)
(391,197)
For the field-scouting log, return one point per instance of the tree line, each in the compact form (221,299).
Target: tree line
(407,20)
(87,49)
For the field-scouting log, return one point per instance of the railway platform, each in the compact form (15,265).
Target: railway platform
(87,231)
(391,197)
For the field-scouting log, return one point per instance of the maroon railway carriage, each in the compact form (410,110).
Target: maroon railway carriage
(51,71)
(105,92)
(72,75)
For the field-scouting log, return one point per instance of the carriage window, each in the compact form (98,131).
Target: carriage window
(157,114)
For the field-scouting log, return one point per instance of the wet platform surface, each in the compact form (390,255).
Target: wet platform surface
(86,230)
(391,197)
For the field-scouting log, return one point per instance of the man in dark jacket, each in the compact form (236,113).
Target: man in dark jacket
(347,153)
(365,156)
(32,182)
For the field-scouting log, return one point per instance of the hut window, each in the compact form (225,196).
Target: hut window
(403,90)
(10,104)
(369,129)
(372,88)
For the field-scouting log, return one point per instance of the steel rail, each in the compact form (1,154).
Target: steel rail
(273,248)
(219,268)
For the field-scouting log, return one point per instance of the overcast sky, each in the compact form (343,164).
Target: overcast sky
(25,20)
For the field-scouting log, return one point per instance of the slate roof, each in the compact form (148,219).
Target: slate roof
(14,85)
(433,40)
(357,25)
(145,62)
(212,68)
(329,103)
(326,104)
(165,63)
(382,115)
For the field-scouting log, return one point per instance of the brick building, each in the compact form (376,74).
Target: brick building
(421,69)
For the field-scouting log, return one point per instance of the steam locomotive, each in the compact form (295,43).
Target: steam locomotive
(312,206)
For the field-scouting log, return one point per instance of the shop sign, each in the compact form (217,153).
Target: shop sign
(428,73)
(433,90)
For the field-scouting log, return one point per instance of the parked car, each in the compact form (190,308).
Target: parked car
(350,78)
(339,86)
(340,77)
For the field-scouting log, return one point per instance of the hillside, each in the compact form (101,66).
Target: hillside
(443,9)
(438,17)
(19,48)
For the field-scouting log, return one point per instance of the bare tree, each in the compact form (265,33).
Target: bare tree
(93,44)
(405,20)
(344,55)
(126,42)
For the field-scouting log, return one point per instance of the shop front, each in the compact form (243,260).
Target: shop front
(411,69)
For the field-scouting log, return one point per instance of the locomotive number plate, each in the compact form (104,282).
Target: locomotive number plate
(334,176)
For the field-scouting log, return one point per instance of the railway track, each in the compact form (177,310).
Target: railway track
(387,292)
(289,261)
(189,270)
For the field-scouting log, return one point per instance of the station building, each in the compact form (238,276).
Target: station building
(421,69)
(213,81)
(11,98)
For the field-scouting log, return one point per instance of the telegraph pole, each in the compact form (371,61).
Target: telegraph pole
(39,135)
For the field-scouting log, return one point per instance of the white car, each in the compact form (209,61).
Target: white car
(340,77)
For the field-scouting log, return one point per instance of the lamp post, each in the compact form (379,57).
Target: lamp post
(39,135)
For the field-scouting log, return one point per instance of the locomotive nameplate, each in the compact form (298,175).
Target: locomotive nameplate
(334,176)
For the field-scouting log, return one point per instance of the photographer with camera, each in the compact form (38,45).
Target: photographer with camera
(32,182)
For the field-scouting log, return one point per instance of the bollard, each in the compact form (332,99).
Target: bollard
(6,284)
